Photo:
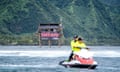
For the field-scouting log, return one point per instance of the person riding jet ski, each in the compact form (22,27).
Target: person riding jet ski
(73,44)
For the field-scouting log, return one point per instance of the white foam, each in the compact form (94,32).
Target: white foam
(44,53)
(56,53)
(109,53)
(22,65)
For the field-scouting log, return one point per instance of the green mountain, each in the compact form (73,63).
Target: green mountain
(97,21)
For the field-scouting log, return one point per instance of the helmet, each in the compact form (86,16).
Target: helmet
(75,36)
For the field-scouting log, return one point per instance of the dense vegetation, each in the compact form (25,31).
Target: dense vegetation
(97,21)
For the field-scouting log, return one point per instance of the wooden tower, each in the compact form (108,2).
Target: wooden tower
(49,34)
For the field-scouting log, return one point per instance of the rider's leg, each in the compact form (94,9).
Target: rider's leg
(70,57)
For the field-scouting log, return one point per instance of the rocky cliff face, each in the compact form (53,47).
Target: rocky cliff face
(92,19)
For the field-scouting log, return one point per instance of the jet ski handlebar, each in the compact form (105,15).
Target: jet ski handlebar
(82,48)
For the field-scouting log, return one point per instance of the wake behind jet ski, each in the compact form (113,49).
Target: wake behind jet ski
(82,59)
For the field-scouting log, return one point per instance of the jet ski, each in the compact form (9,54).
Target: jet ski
(82,59)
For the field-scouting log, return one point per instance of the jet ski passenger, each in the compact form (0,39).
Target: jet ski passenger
(80,44)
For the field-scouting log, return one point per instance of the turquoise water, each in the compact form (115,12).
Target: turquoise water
(45,59)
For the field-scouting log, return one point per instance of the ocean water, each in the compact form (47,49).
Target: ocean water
(46,59)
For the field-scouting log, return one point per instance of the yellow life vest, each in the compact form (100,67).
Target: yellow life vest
(73,44)
(79,44)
